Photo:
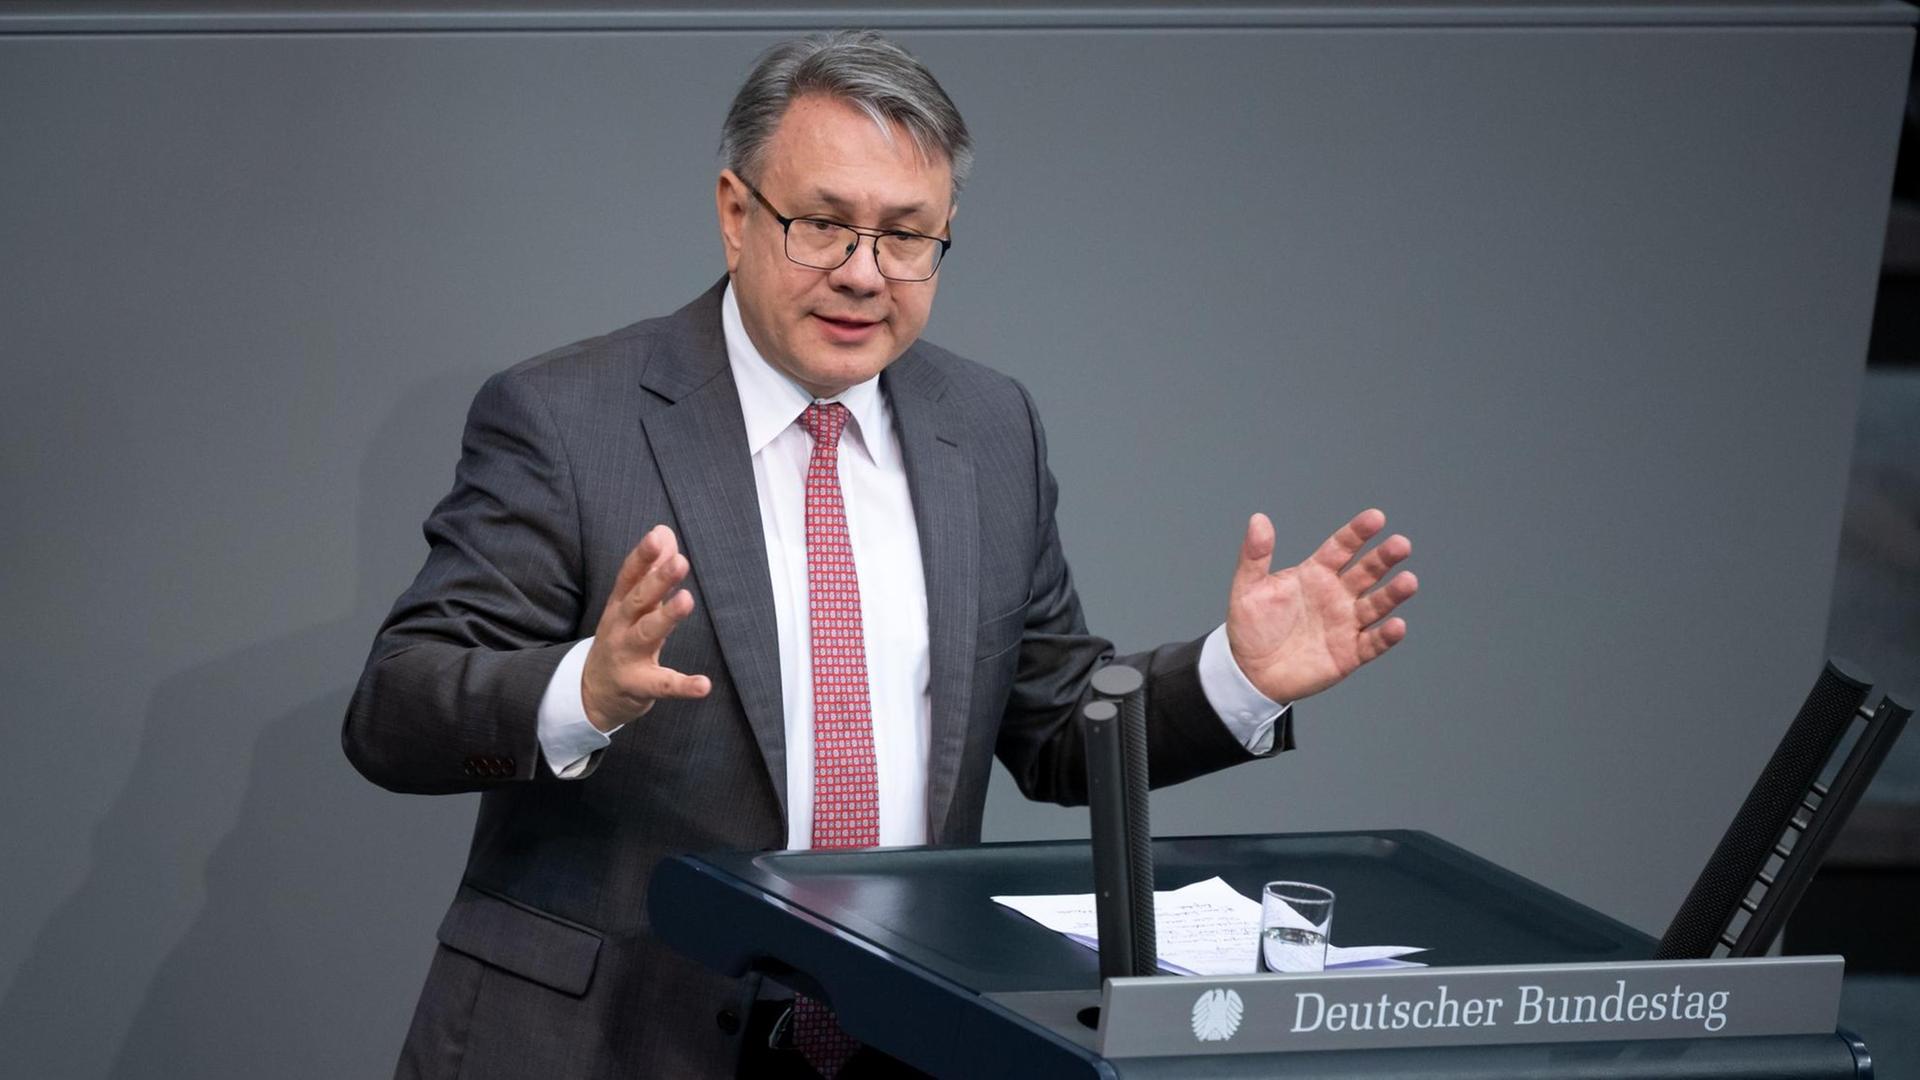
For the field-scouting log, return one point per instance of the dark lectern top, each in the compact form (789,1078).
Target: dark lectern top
(932,905)
(907,945)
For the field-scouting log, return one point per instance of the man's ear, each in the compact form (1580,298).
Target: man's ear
(730,204)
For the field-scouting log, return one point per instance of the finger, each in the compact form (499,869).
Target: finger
(1374,565)
(1381,638)
(637,562)
(655,625)
(1380,603)
(666,575)
(664,682)
(1346,542)
(1256,553)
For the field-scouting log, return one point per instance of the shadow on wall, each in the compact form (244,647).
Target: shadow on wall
(1876,590)
(304,945)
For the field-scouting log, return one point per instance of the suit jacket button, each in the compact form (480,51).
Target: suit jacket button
(728,1020)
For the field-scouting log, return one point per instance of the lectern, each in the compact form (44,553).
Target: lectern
(919,962)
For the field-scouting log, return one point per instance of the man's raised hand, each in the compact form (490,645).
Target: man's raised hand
(1302,629)
(623,677)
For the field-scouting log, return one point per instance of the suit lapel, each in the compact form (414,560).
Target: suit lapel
(699,443)
(940,477)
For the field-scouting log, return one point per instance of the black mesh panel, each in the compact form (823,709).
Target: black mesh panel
(1776,795)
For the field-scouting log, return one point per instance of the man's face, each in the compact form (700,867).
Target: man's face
(830,329)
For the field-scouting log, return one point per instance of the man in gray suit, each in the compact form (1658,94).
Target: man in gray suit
(847,597)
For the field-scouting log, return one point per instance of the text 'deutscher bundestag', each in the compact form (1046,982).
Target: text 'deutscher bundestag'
(1151,1017)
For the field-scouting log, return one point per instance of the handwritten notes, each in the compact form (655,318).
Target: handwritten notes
(1205,928)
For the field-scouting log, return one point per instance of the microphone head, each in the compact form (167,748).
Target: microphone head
(1117,681)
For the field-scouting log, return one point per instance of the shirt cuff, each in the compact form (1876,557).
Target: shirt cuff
(567,738)
(1249,714)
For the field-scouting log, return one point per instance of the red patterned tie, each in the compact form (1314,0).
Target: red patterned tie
(846,788)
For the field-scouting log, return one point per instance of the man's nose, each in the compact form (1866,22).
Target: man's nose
(861,272)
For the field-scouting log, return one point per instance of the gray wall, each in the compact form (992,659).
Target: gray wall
(1582,304)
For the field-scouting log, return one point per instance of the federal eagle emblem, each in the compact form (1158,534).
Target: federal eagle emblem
(1216,1016)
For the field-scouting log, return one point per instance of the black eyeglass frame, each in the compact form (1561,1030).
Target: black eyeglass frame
(786,227)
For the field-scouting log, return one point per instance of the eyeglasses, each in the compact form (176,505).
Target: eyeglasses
(825,244)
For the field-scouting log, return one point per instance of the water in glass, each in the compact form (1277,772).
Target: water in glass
(1287,948)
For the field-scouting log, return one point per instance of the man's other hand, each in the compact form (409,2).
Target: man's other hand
(1299,631)
(623,676)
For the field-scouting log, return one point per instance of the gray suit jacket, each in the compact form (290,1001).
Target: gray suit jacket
(546,965)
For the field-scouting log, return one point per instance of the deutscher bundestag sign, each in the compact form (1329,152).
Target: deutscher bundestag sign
(1689,999)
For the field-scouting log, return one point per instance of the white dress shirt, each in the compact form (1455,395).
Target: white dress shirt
(893,603)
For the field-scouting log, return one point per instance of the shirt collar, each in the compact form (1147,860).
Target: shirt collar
(770,401)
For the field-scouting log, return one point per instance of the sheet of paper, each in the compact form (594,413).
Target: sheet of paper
(1370,957)
(1205,928)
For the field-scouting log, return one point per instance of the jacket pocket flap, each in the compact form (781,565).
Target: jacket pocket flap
(525,941)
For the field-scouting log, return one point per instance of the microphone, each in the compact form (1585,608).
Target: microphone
(1126,828)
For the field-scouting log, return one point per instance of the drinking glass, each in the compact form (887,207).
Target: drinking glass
(1295,919)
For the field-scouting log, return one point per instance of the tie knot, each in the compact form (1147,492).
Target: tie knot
(825,421)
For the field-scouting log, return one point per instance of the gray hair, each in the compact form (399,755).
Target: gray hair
(861,68)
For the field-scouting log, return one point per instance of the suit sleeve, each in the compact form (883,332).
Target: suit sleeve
(1039,740)
(450,694)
